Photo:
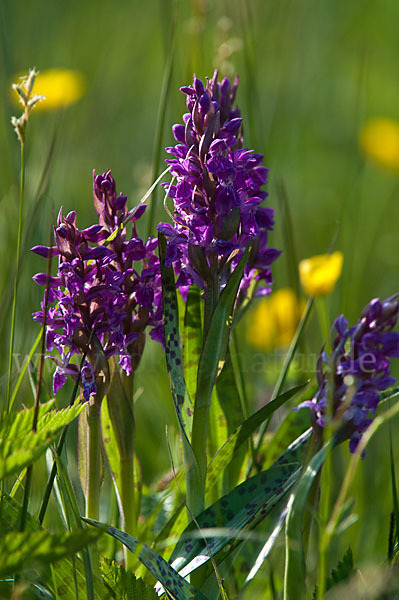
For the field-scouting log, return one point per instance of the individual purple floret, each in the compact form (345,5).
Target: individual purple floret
(359,368)
(103,292)
(217,194)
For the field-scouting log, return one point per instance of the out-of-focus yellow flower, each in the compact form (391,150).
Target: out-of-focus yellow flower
(319,273)
(272,324)
(60,87)
(379,140)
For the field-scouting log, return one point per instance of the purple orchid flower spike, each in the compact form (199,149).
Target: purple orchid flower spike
(217,194)
(105,292)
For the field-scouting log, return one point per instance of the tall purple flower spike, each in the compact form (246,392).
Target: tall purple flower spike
(217,194)
(112,291)
(360,365)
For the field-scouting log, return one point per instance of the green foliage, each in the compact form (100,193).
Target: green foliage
(183,403)
(343,571)
(32,548)
(124,585)
(20,446)
(247,504)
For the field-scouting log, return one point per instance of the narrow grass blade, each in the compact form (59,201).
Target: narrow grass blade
(295,569)
(24,368)
(72,510)
(288,359)
(162,113)
(176,586)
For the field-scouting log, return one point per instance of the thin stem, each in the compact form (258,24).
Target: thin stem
(128,502)
(60,445)
(94,461)
(37,399)
(324,321)
(16,280)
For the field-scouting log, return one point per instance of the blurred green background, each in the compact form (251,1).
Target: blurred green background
(311,73)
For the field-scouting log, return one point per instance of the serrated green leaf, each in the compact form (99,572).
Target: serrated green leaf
(124,585)
(176,586)
(343,571)
(21,550)
(247,504)
(19,446)
(10,513)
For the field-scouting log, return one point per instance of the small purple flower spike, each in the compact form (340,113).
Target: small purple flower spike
(360,365)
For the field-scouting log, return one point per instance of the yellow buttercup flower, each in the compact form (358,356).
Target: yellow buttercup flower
(319,273)
(60,88)
(379,140)
(272,324)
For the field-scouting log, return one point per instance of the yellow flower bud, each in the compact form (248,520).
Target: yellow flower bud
(319,273)
(272,324)
(60,87)
(379,140)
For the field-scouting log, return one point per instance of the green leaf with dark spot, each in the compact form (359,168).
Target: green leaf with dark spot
(176,586)
(247,504)
(183,403)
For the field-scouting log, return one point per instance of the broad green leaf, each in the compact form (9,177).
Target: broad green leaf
(244,556)
(176,586)
(192,341)
(19,446)
(123,585)
(247,504)
(242,434)
(22,550)
(293,425)
(295,569)
(230,401)
(216,342)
